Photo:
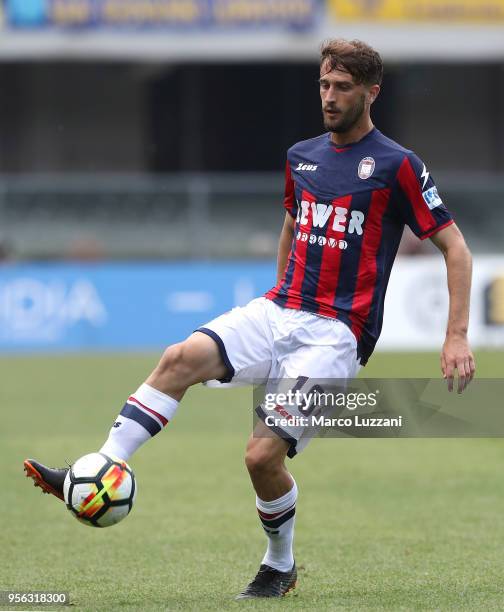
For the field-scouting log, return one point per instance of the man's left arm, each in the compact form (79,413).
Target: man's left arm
(456,353)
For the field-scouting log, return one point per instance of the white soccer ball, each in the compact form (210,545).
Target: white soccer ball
(100,490)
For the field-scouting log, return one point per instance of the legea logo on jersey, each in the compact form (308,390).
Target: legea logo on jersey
(431,197)
(322,214)
(309,167)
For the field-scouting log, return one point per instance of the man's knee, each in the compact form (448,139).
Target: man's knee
(174,364)
(265,455)
(187,363)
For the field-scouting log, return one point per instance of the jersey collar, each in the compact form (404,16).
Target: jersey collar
(350,145)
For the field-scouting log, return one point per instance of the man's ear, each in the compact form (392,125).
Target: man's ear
(374,90)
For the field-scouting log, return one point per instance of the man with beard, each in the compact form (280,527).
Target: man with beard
(348,195)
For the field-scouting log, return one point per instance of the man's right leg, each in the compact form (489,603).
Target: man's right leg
(151,407)
(155,402)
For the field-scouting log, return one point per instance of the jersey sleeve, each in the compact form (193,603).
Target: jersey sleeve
(419,204)
(290,203)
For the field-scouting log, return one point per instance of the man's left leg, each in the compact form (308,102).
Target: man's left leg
(276,495)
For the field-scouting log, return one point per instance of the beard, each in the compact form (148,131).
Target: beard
(346,121)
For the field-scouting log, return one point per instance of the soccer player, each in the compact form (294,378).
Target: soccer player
(348,195)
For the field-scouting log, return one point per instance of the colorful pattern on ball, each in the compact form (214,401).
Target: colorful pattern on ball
(100,490)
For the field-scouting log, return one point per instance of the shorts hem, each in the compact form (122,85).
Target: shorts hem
(222,350)
(292,442)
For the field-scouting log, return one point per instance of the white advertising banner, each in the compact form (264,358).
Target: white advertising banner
(416,306)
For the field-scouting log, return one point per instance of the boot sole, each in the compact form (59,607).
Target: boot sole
(38,480)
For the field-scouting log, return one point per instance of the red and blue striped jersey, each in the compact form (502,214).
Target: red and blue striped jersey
(351,204)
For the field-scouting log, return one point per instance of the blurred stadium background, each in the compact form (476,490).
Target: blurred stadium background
(140,131)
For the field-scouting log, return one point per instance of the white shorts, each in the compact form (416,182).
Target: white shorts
(262,341)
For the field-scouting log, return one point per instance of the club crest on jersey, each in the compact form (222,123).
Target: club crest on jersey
(366,168)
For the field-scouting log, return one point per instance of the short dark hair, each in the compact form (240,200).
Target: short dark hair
(355,57)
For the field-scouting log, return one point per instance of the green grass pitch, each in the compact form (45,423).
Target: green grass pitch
(381,524)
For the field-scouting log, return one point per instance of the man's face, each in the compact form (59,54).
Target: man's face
(343,101)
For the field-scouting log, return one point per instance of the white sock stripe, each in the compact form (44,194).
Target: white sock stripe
(273,516)
(131,400)
(279,505)
(157,400)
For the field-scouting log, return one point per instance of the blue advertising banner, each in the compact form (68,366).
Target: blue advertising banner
(203,14)
(136,306)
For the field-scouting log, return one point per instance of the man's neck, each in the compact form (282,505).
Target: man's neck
(353,135)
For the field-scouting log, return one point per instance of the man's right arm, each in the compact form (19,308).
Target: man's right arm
(285,245)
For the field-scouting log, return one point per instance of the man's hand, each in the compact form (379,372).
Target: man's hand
(456,354)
